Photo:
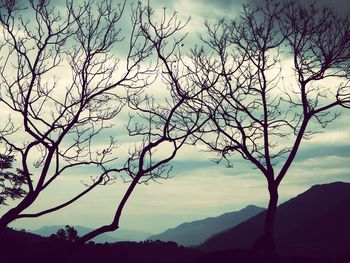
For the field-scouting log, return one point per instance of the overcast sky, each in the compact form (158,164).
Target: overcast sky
(198,188)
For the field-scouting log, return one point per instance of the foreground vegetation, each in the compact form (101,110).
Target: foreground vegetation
(19,246)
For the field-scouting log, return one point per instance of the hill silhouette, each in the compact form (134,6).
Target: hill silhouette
(196,232)
(315,223)
(18,246)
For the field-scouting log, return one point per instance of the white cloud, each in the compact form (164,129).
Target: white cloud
(335,137)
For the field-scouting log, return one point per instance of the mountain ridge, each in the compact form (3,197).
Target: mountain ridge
(195,232)
(312,222)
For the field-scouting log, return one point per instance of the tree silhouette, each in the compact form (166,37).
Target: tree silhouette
(168,122)
(68,233)
(60,122)
(53,123)
(261,108)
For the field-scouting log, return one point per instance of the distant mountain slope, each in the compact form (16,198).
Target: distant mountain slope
(119,235)
(195,232)
(316,222)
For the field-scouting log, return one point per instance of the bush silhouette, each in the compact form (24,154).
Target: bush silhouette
(68,233)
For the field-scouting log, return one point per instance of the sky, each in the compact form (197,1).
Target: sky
(198,187)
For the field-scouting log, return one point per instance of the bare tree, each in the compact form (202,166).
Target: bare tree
(61,85)
(166,123)
(255,111)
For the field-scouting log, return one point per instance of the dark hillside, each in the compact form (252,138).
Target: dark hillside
(314,223)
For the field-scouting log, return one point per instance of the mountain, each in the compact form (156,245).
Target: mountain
(195,232)
(315,223)
(119,235)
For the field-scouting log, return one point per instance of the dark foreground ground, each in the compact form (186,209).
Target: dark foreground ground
(24,247)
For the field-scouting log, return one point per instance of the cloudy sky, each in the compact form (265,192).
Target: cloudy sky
(199,187)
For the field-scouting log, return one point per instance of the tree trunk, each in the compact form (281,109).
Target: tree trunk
(265,244)
(270,221)
(13,213)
